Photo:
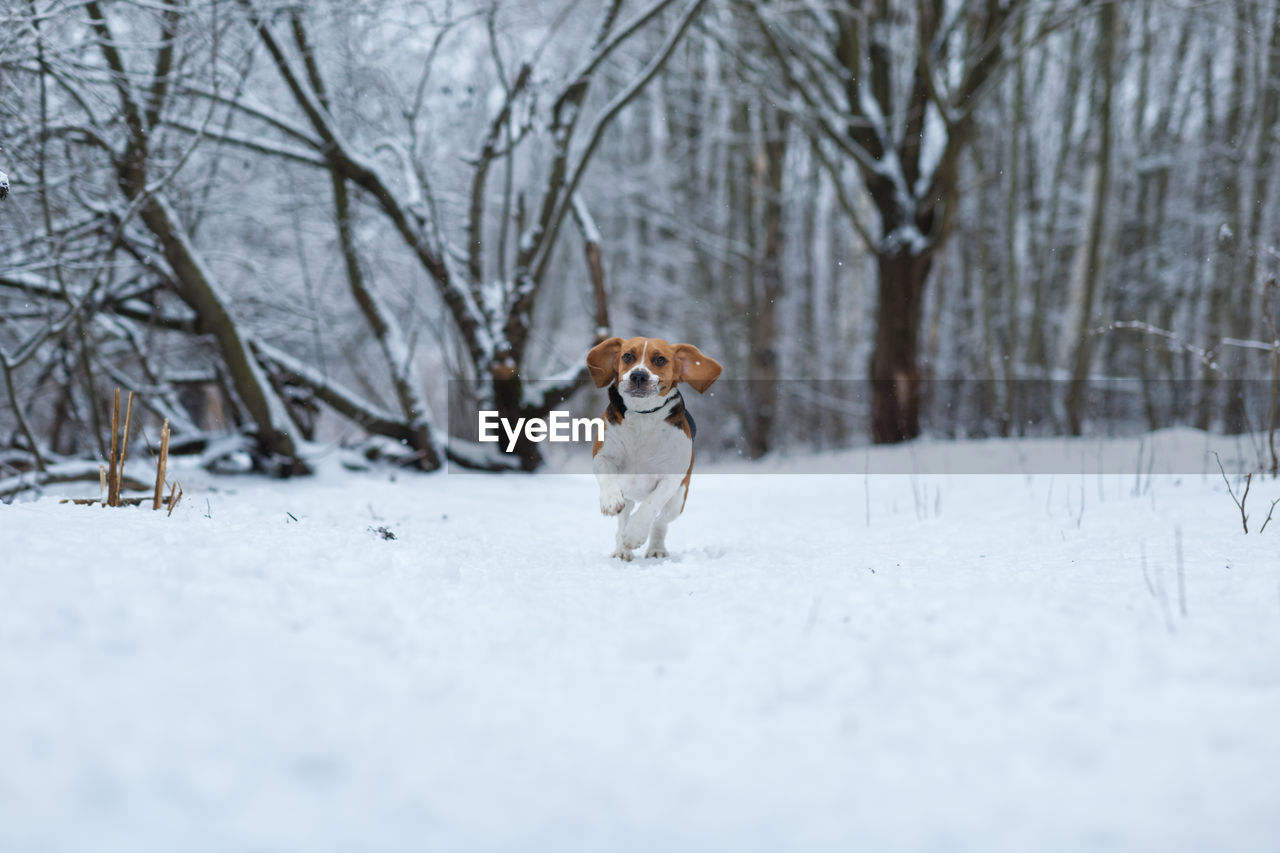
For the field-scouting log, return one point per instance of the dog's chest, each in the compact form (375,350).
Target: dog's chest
(648,446)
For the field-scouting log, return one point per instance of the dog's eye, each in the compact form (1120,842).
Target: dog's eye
(627,358)
(659,360)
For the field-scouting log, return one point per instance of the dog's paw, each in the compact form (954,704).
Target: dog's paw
(612,503)
(622,554)
(634,536)
(657,553)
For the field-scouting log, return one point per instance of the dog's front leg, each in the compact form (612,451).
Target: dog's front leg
(641,521)
(658,535)
(610,482)
(621,550)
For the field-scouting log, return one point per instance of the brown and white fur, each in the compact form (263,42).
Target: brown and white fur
(644,463)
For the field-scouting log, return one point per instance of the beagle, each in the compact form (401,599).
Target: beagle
(645,459)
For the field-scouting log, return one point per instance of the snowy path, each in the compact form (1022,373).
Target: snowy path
(983,667)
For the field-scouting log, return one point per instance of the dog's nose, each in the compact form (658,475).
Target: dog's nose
(639,377)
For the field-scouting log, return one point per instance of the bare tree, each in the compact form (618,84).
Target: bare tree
(288,221)
(893,88)
(492,316)
(1088,264)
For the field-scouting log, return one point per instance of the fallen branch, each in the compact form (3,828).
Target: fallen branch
(342,400)
(62,472)
(92,501)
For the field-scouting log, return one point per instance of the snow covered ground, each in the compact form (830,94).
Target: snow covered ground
(933,661)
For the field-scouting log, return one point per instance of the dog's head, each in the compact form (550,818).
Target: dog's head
(650,367)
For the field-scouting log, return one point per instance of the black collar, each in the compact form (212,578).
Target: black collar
(665,403)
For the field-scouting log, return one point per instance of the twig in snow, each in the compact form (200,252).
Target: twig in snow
(917,499)
(866,485)
(1146,577)
(1151,464)
(1137,469)
(1248,479)
(1080,517)
(1182,576)
(1272,509)
(1162,597)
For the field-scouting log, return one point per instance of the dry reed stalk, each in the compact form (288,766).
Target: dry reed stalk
(175,495)
(124,447)
(112,485)
(161,464)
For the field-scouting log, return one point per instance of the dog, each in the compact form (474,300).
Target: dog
(644,462)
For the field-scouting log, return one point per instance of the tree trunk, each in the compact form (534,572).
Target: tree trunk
(990,407)
(762,365)
(1206,281)
(1011,417)
(386,331)
(895,375)
(1089,271)
(1039,343)
(508,395)
(275,450)
(1235,298)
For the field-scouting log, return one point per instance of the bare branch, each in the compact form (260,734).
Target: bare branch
(250,142)
(610,111)
(341,399)
(461,303)
(1263,528)
(475,216)
(1239,502)
(238,103)
(595,267)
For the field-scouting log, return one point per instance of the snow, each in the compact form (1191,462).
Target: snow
(590,231)
(538,391)
(932,148)
(413,187)
(935,661)
(493,298)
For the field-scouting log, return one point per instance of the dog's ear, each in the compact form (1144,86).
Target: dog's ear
(601,361)
(695,368)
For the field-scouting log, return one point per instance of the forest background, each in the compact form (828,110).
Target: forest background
(358,222)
